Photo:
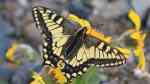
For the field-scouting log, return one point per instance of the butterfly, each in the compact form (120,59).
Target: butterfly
(69,48)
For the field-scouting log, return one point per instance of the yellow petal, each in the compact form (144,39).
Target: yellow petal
(37,79)
(73,18)
(141,58)
(11,51)
(59,76)
(135,18)
(135,35)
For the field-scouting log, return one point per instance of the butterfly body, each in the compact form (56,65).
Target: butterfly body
(73,44)
(73,51)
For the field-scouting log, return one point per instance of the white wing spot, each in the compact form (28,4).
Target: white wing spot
(101,45)
(107,49)
(47,62)
(85,69)
(44,50)
(107,64)
(53,16)
(34,9)
(68,75)
(74,74)
(97,65)
(59,21)
(41,11)
(45,44)
(45,56)
(102,65)
(36,18)
(115,51)
(80,73)
(48,11)
(38,23)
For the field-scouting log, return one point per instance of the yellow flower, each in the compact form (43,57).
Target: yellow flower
(138,37)
(90,30)
(37,79)
(58,75)
(11,51)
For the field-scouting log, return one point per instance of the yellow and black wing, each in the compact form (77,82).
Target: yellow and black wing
(50,25)
(71,49)
(89,53)
(101,55)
